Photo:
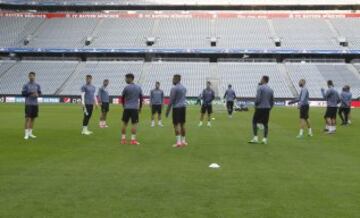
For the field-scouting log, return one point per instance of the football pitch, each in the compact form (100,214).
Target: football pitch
(65,174)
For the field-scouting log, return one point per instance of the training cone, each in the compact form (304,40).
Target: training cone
(214,166)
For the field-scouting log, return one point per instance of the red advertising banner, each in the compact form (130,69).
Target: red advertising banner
(168,14)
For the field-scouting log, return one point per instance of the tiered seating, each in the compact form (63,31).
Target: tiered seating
(194,76)
(348,28)
(14,30)
(122,33)
(183,33)
(314,80)
(246,33)
(241,33)
(63,33)
(305,34)
(112,70)
(341,75)
(245,78)
(50,74)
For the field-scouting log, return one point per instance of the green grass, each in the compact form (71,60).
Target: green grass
(65,174)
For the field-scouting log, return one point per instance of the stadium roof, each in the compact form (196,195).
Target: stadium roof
(184,2)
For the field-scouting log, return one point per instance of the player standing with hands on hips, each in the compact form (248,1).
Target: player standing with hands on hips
(88,99)
(31,91)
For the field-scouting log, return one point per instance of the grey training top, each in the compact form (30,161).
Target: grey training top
(303,97)
(103,95)
(156,97)
(89,93)
(178,96)
(230,95)
(346,98)
(264,97)
(27,90)
(131,94)
(207,95)
(331,96)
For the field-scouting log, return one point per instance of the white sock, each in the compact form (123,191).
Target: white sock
(178,139)
(209,123)
(85,128)
(26,132)
(159,122)
(327,127)
(301,132)
(201,123)
(133,137)
(334,128)
(123,136)
(256,138)
(310,131)
(183,139)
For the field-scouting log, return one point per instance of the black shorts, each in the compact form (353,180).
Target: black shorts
(31,111)
(89,109)
(261,115)
(132,114)
(156,108)
(331,112)
(105,106)
(229,104)
(206,109)
(304,112)
(345,110)
(179,115)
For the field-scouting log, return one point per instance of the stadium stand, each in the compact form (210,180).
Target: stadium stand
(66,77)
(305,34)
(113,70)
(194,76)
(63,33)
(122,33)
(50,74)
(188,33)
(243,33)
(14,30)
(245,78)
(346,29)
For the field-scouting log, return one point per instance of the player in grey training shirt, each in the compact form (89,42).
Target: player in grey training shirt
(104,101)
(264,102)
(88,99)
(304,107)
(156,103)
(345,107)
(207,96)
(332,98)
(132,99)
(178,105)
(31,91)
(230,97)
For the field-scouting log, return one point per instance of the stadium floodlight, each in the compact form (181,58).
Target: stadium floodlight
(343,42)
(150,41)
(27,40)
(277,42)
(88,40)
(213,41)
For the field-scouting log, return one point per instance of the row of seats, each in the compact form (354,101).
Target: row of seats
(66,77)
(242,33)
